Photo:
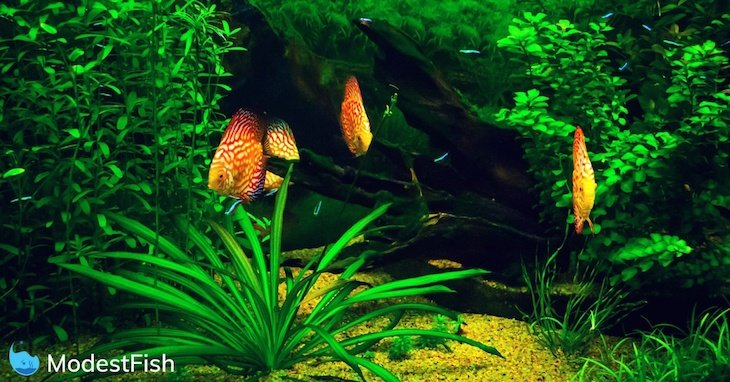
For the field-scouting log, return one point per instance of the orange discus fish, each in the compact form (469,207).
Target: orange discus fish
(353,119)
(238,166)
(584,182)
(279,141)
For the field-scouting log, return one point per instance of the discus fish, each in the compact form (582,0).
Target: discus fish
(238,166)
(279,140)
(584,182)
(353,119)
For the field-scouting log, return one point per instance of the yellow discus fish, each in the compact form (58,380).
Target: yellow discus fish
(279,140)
(584,182)
(353,119)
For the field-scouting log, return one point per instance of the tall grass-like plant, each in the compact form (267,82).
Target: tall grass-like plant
(243,324)
(702,355)
(592,306)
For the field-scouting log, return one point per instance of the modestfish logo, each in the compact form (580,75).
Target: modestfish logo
(22,362)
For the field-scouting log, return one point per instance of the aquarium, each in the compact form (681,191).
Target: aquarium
(310,190)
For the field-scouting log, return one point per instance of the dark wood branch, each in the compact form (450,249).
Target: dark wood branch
(491,156)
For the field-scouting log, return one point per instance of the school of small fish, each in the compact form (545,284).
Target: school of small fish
(238,168)
(584,182)
(353,119)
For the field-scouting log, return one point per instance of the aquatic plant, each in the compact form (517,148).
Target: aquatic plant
(106,104)
(440,28)
(702,354)
(243,324)
(440,324)
(434,24)
(592,307)
(655,167)
(400,348)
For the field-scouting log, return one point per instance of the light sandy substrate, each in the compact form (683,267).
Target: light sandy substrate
(524,358)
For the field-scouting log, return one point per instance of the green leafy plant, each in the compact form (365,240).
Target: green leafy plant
(105,104)
(440,324)
(655,167)
(400,348)
(703,354)
(592,306)
(442,29)
(241,324)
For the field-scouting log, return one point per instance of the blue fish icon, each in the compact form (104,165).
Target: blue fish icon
(22,362)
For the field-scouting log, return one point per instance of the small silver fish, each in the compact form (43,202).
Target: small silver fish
(441,158)
(670,42)
(469,51)
(233,206)
(647,27)
(607,15)
(317,208)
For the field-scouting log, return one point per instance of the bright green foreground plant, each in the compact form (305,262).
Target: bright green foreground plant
(703,355)
(240,324)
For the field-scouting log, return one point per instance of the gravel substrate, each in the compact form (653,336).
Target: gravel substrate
(524,358)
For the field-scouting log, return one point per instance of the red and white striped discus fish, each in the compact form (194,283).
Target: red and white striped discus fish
(584,182)
(238,166)
(353,119)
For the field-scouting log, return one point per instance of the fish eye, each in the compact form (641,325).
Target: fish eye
(220,176)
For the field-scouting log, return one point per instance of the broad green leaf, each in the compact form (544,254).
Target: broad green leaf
(48,28)
(13,172)
(61,333)
(75,133)
(629,273)
(76,53)
(101,219)
(117,172)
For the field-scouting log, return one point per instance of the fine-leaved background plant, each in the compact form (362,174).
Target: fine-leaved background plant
(661,169)
(104,103)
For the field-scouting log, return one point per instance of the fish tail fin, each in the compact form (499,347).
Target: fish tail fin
(590,225)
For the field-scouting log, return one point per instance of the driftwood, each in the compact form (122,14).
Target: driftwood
(491,156)
(477,209)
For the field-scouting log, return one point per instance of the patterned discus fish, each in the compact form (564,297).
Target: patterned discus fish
(279,140)
(238,166)
(584,182)
(353,119)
